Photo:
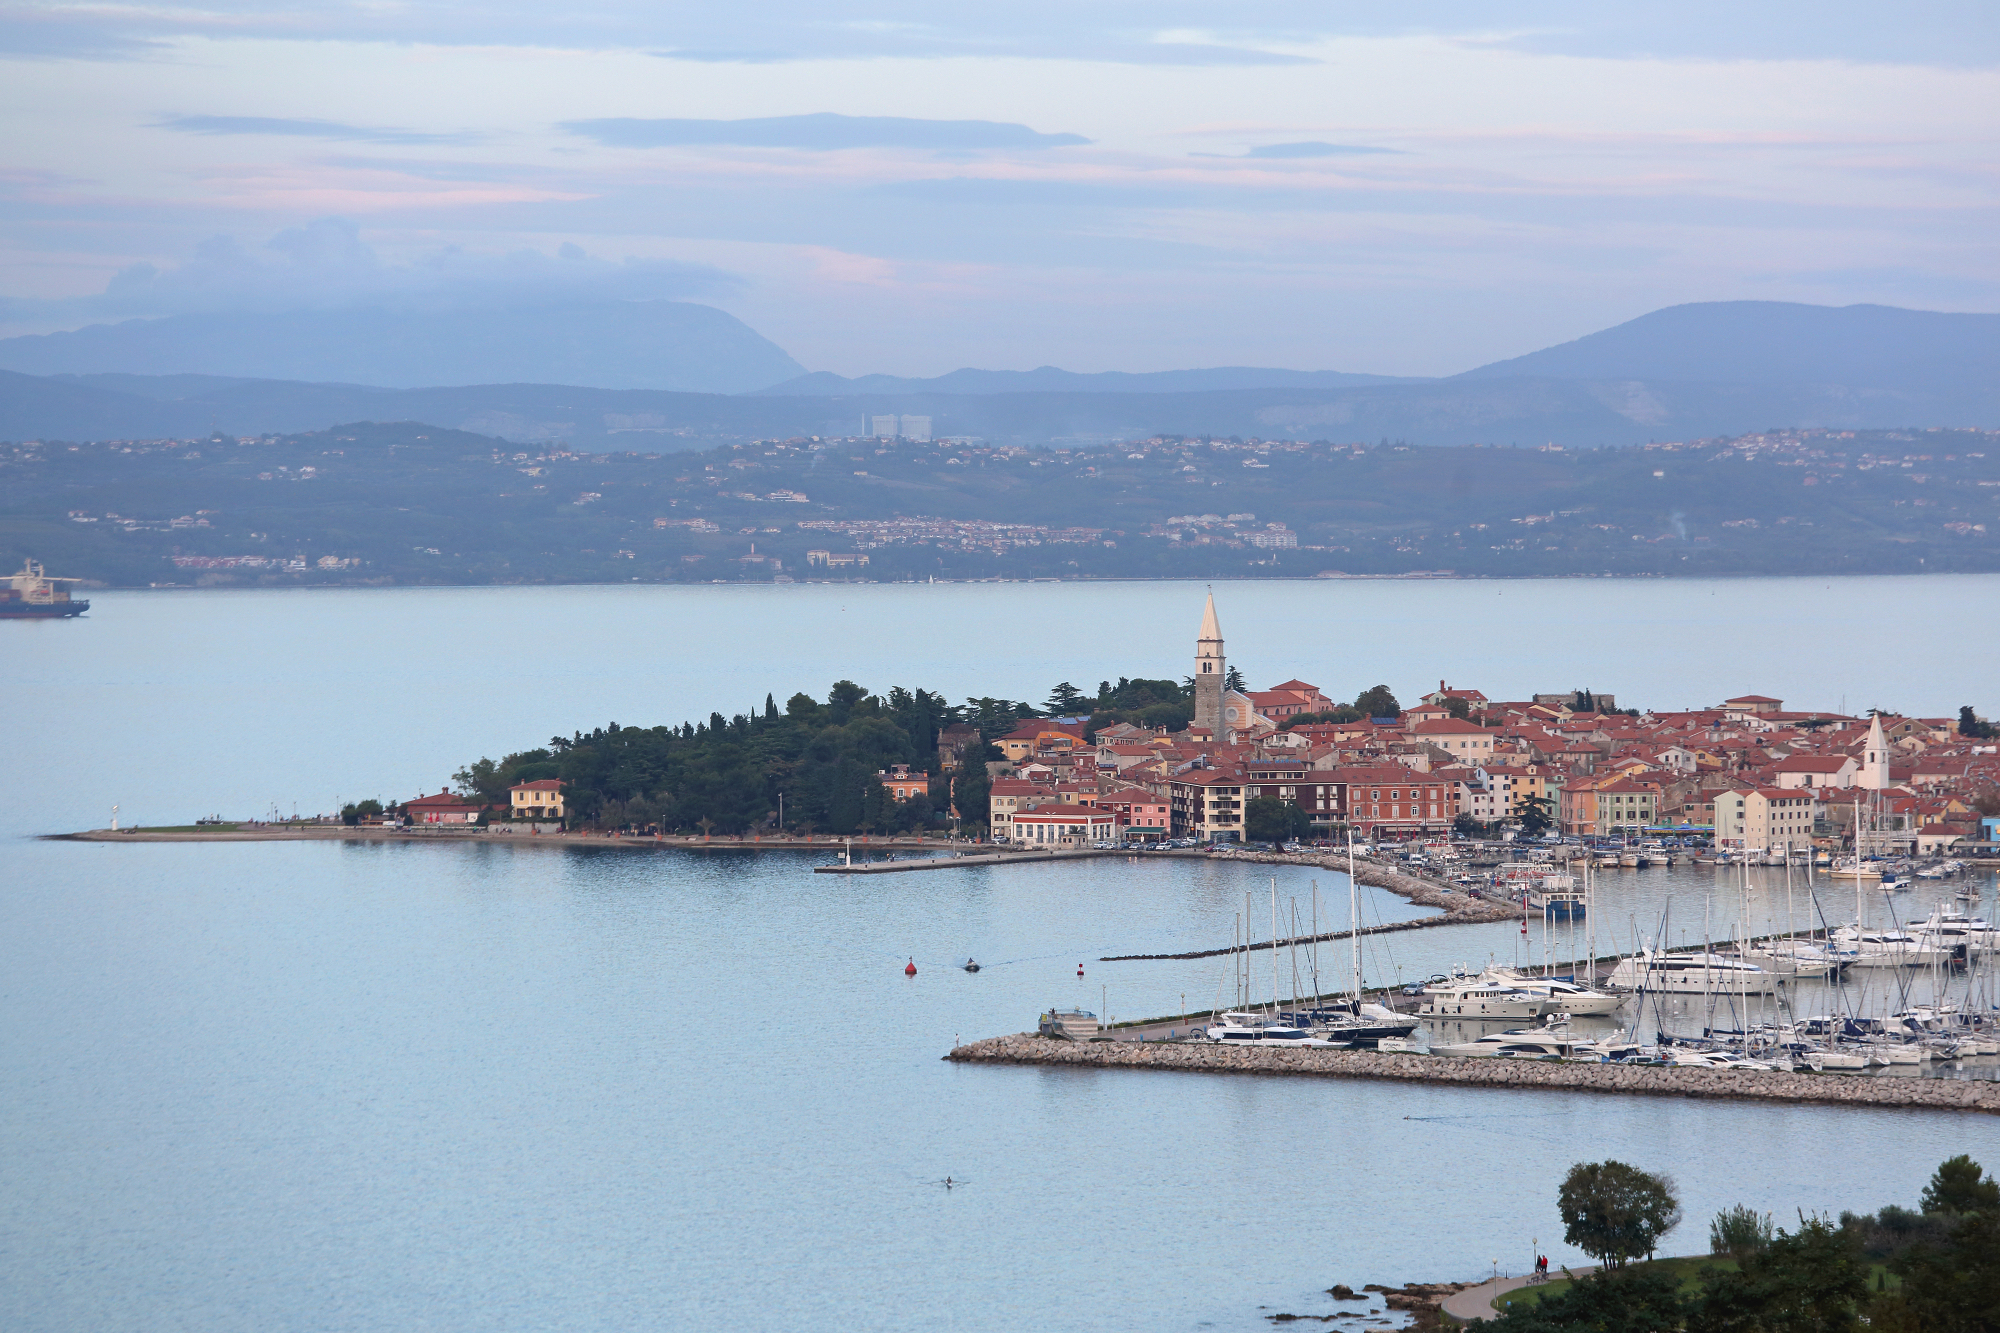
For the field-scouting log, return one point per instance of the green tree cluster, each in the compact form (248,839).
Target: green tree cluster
(726,775)
(1270,819)
(1615,1212)
(1377,702)
(1537,815)
(1811,1279)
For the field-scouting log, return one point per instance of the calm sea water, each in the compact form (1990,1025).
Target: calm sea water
(465,1088)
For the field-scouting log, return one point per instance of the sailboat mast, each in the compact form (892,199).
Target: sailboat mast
(1354,920)
(1274,948)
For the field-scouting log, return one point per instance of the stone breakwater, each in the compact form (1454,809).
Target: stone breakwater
(1740,1085)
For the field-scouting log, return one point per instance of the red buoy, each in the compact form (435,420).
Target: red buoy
(1079,969)
(911,970)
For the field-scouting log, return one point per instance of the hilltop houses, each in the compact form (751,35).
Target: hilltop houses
(1747,771)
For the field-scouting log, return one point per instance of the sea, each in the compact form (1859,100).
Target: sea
(279,1086)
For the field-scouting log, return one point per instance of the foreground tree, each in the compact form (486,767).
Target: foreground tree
(1615,1212)
(1807,1281)
(1952,1286)
(1958,1186)
(1739,1232)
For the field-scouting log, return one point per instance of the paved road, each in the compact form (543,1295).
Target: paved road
(1476,1303)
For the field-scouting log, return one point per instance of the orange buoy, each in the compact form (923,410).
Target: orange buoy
(911,970)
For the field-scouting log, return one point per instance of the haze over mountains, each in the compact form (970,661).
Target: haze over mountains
(674,345)
(669,375)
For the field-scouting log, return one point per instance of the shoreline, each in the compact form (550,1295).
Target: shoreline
(1455,908)
(1926,1094)
(420,834)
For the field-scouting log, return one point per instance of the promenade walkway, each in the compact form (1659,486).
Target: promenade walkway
(1476,1303)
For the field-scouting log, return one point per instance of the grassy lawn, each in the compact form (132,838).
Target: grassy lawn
(1688,1268)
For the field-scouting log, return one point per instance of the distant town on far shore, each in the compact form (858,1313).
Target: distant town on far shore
(403,504)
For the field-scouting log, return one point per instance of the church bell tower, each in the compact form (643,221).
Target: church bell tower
(1210,671)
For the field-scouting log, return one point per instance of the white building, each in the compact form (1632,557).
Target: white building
(1765,819)
(917,428)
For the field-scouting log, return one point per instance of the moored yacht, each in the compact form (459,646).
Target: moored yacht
(1473,997)
(1342,1024)
(1890,948)
(1245,1029)
(1693,974)
(1566,996)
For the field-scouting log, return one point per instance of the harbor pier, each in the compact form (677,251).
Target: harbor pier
(1933,1094)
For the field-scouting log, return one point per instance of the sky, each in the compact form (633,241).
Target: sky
(908,189)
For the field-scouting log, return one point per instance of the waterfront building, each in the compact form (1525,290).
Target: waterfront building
(902,784)
(540,799)
(1207,803)
(1063,825)
(1006,796)
(443,808)
(1765,819)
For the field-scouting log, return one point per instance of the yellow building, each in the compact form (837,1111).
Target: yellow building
(540,799)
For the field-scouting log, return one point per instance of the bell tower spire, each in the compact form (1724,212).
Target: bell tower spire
(1874,774)
(1210,671)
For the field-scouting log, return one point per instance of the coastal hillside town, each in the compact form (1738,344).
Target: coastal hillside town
(1287,762)
(1207,759)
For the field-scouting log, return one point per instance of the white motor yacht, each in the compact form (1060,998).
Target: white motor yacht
(1473,997)
(1956,930)
(1889,948)
(1693,974)
(1524,1044)
(1684,1058)
(1568,997)
(1791,958)
(1837,1062)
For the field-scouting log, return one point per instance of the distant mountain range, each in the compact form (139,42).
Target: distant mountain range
(673,345)
(1686,372)
(1048,379)
(1866,347)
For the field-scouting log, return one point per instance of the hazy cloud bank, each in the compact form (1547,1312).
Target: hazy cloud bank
(325,265)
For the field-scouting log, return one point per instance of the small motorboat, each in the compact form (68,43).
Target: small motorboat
(971,966)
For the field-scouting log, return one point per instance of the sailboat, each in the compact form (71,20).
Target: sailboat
(1355,1019)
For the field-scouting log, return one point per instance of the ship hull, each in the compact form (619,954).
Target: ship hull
(42,610)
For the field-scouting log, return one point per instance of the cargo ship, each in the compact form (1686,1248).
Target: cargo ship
(33,595)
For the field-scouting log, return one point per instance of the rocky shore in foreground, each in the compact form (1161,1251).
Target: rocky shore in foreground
(1740,1085)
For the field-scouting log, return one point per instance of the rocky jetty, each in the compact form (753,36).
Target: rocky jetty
(1940,1094)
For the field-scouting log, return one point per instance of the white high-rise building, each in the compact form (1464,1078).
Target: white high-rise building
(885,428)
(917,428)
